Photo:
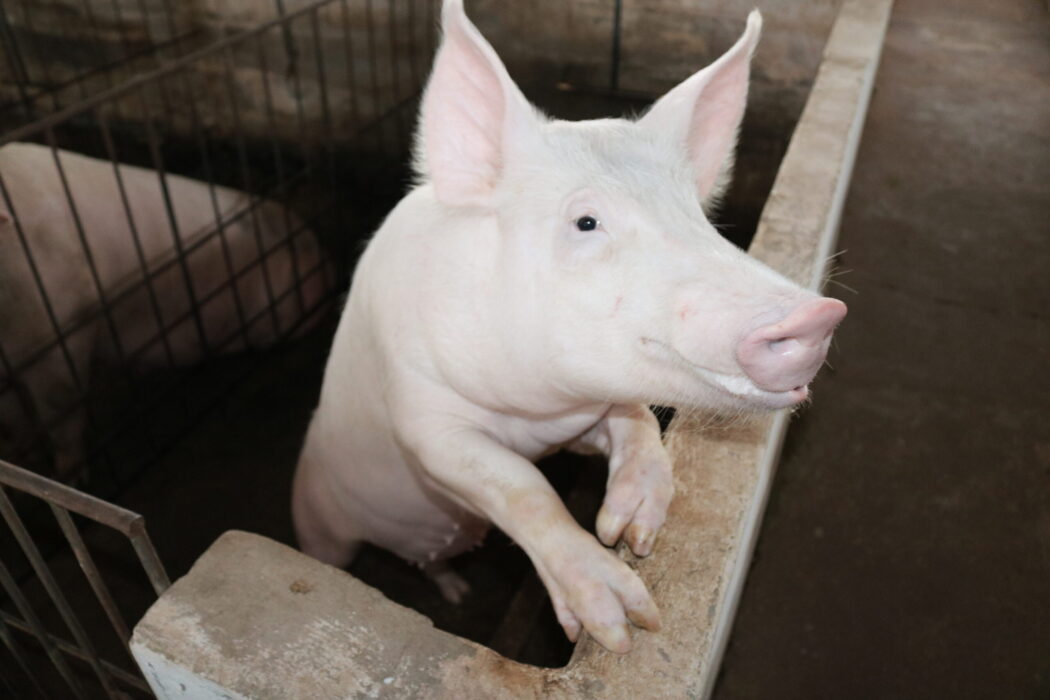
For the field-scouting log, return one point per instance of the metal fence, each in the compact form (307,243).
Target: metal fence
(259,112)
(289,127)
(55,53)
(24,632)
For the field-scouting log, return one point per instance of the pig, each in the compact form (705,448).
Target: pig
(48,380)
(542,285)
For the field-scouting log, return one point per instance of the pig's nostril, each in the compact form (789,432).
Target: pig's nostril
(783,346)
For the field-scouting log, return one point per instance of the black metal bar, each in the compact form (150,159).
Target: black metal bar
(145,22)
(297,90)
(85,245)
(176,235)
(147,554)
(246,182)
(395,73)
(54,88)
(289,41)
(91,572)
(112,516)
(130,524)
(402,129)
(67,648)
(351,79)
(373,64)
(413,47)
(209,177)
(19,656)
(221,344)
(326,118)
(14,385)
(29,615)
(90,14)
(118,19)
(159,268)
(170,15)
(140,254)
(614,68)
(41,56)
(26,132)
(14,59)
(79,382)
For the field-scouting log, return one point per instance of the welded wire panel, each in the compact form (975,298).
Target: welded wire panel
(45,624)
(61,51)
(212,220)
(163,226)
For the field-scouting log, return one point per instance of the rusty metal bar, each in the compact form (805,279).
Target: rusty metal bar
(36,627)
(246,181)
(38,279)
(150,77)
(176,235)
(282,183)
(63,500)
(297,90)
(351,80)
(94,576)
(108,514)
(15,60)
(140,254)
(209,178)
(85,245)
(19,656)
(44,575)
(67,648)
(147,555)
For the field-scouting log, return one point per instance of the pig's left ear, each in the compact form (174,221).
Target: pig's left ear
(703,113)
(473,116)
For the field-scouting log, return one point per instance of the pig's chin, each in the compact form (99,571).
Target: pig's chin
(737,390)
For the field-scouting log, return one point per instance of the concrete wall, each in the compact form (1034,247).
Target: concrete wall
(663,41)
(544,42)
(373,55)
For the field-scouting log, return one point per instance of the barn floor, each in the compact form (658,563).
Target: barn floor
(906,549)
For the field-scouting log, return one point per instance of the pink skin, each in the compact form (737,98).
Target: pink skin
(784,356)
(486,326)
(47,387)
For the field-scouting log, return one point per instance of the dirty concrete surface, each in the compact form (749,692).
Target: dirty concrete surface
(906,548)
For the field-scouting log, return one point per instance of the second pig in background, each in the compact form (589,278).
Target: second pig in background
(91,270)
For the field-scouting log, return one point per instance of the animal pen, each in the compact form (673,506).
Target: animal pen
(311,105)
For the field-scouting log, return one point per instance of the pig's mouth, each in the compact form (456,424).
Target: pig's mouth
(739,387)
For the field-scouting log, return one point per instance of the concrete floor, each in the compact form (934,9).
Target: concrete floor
(906,549)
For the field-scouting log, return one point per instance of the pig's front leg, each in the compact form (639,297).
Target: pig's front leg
(588,584)
(640,483)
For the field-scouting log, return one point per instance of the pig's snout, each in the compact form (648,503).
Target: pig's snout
(787,354)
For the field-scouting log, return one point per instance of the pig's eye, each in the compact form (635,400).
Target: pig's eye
(586,223)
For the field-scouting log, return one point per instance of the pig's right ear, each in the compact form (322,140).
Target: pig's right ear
(703,113)
(472,115)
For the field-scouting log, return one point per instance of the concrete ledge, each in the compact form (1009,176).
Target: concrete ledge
(256,619)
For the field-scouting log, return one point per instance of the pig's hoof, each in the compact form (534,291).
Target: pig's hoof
(452,586)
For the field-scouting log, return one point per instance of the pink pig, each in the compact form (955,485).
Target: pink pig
(541,286)
(52,377)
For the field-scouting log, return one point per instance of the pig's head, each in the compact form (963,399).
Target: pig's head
(613,284)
